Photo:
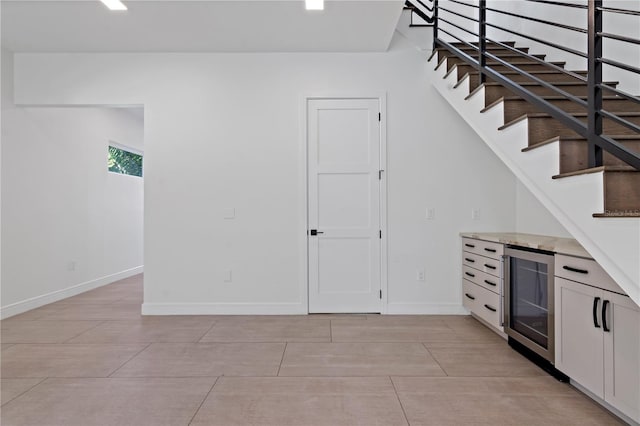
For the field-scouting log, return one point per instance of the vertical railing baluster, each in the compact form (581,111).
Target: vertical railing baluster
(594,80)
(435,24)
(482,39)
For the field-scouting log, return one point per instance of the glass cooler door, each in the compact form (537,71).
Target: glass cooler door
(529,304)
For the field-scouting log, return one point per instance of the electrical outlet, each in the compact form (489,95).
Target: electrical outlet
(228,276)
(420,275)
(475,213)
(431,213)
(72,265)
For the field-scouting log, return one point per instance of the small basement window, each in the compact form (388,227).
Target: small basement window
(124,160)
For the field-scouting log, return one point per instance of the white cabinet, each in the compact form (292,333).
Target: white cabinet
(579,342)
(622,355)
(598,341)
(482,280)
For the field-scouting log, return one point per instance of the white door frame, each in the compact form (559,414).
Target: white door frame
(303,188)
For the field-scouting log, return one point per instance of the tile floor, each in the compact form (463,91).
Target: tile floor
(93,360)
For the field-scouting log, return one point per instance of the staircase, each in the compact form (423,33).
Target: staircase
(416,25)
(600,206)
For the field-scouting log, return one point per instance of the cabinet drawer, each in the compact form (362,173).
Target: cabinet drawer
(483,248)
(469,295)
(490,282)
(585,271)
(485,304)
(481,263)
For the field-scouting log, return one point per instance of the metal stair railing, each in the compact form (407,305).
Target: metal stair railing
(466,28)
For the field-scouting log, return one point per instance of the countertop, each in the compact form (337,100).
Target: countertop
(567,246)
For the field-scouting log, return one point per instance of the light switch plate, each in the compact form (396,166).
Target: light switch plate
(229,213)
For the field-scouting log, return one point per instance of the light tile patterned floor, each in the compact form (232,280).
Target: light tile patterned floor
(94,360)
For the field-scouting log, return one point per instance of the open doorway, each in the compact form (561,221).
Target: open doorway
(72,201)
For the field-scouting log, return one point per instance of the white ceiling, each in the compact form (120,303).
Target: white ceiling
(198,26)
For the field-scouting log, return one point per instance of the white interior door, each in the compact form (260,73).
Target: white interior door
(344,205)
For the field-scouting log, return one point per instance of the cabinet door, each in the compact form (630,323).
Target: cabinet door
(579,342)
(622,355)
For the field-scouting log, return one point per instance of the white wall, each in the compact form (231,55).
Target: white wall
(59,203)
(223,130)
(533,218)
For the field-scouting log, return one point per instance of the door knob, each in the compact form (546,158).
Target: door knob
(315,232)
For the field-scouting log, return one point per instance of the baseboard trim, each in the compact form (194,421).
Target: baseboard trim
(426,309)
(54,296)
(224,309)
(605,404)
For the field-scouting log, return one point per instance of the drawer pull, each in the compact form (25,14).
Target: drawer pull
(490,308)
(470,274)
(470,296)
(469,245)
(469,260)
(489,266)
(579,271)
(490,250)
(490,283)
(595,312)
(605,303)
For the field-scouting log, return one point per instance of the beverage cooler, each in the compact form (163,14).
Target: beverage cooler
(528,290)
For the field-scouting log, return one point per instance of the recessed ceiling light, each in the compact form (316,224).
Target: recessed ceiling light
(114,4)
(314,4)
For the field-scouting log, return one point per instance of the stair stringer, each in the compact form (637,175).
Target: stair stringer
(613,243)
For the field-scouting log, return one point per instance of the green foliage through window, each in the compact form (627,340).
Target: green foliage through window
(125,162)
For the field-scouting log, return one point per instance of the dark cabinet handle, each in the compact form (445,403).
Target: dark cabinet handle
(469,274)
(604,315)
(579,271)
(595,312)
(469,245)
(469,260)
(490,250)
(489,266)
(490,308)
(470,296)
(490,283)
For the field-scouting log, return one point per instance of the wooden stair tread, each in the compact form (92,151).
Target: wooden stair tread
(544,72)
(583,114)
(557,83)
(532,83)
(507,99)
(491,63)
(578,139)
(619,137)
(550,98)
(536,72)
(615,215)
(557,98)
(545,115)
(508,43)
(514,55)
(605,169)
(466,48)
